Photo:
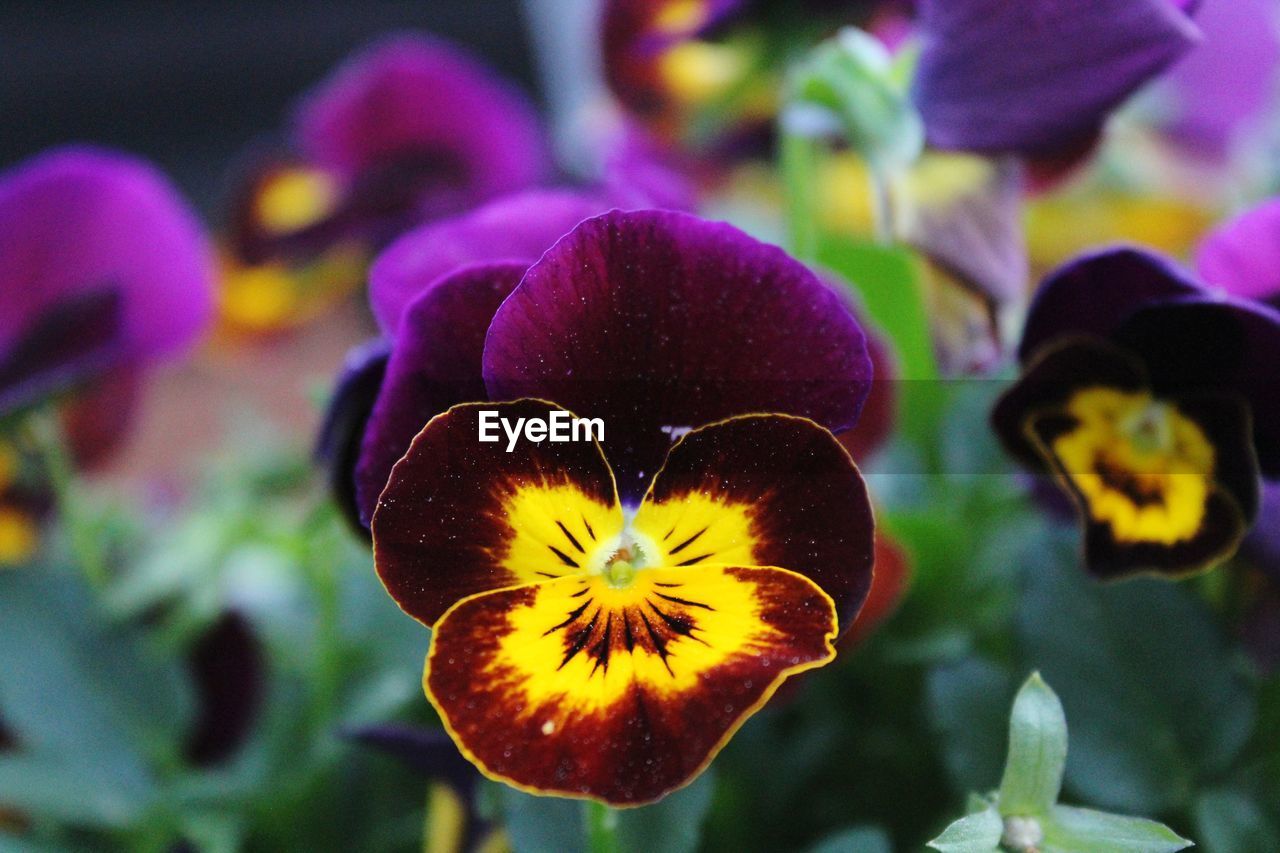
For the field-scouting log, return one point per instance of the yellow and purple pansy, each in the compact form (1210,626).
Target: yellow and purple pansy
(716,539)
(408,130)
(103,268)
(1151,397)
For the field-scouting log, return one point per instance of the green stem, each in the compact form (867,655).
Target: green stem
(602,828)
(45,429)
(798,159)
(882,206)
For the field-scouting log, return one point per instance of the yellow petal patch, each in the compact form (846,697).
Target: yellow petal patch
(576,687)
(292,199)
(1138,465)
(19,537)
(556,530)
(698,528)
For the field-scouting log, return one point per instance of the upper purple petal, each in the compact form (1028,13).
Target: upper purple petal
(518,227)
(1094,293)
(1263,542)
(435,364)
(1035,76)
(1223,87)
(80,219)
(1242,256)
(656,321)
(1218,344)
(410,95)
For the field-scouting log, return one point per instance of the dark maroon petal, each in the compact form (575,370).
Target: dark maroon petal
(345,423)
(1094,294)
(1056,372)
(1243,256)
(414,99)
(435,365)
(76,339)
(227,668)
(519,227)
(1038,75)
(1229,346)
(98,418)
(657,321)
(78,219)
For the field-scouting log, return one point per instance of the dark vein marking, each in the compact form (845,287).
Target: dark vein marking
(580,638)
(601,649)
(686,543)
(566,532)
(686,602)
(682,625)
(668,536)
(628,637)
(569,619)
(581,592)
(587,525)
(692,560)
(659,644)
(667,585)
(548,574)
(564,558)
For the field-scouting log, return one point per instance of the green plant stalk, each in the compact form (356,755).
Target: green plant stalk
(45,430)
(602,828)
(798,158)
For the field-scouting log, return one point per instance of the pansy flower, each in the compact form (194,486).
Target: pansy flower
(584,646)
(667,329)
(1151,397)
(103,271)
(408,130)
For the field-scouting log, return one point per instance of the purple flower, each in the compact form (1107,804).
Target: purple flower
(1152,399)
(655,321)
(1036,77)
(406,131)
(1242,256)
(102,266)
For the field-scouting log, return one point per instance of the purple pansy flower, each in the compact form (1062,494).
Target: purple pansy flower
(1038,76)
(102,267)
(408,130)
(1152,398)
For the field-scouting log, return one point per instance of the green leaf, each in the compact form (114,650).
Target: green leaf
(542,823)
(1037,751)
(81,791)
(862,839)
(889,282)
(975,833)
(672,825)
(1155,700)
(1231,822)
(1072,830)
(969,706)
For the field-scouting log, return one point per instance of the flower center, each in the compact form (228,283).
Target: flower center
(1150,428)
(620,568)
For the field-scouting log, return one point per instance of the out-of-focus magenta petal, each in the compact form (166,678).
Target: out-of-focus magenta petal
(1262,544)
(435,364)
(641,172)
(80,219)
(1094,294)
(1036,76)
(518,227)
(657,321)
(1242,256)
(410,96)
(1224,86)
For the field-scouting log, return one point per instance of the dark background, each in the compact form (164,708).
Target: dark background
(189,84)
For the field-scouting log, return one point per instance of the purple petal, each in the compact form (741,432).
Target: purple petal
(519,227)
(639,172)
(435,364)
(429,752)
(1242,256)
(1223,87)
(345,423)
(79,219)
(412,98)
(1093,294)
(1034,76)
(77,339)
(1221,345)
(657,321)
(1262,544)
